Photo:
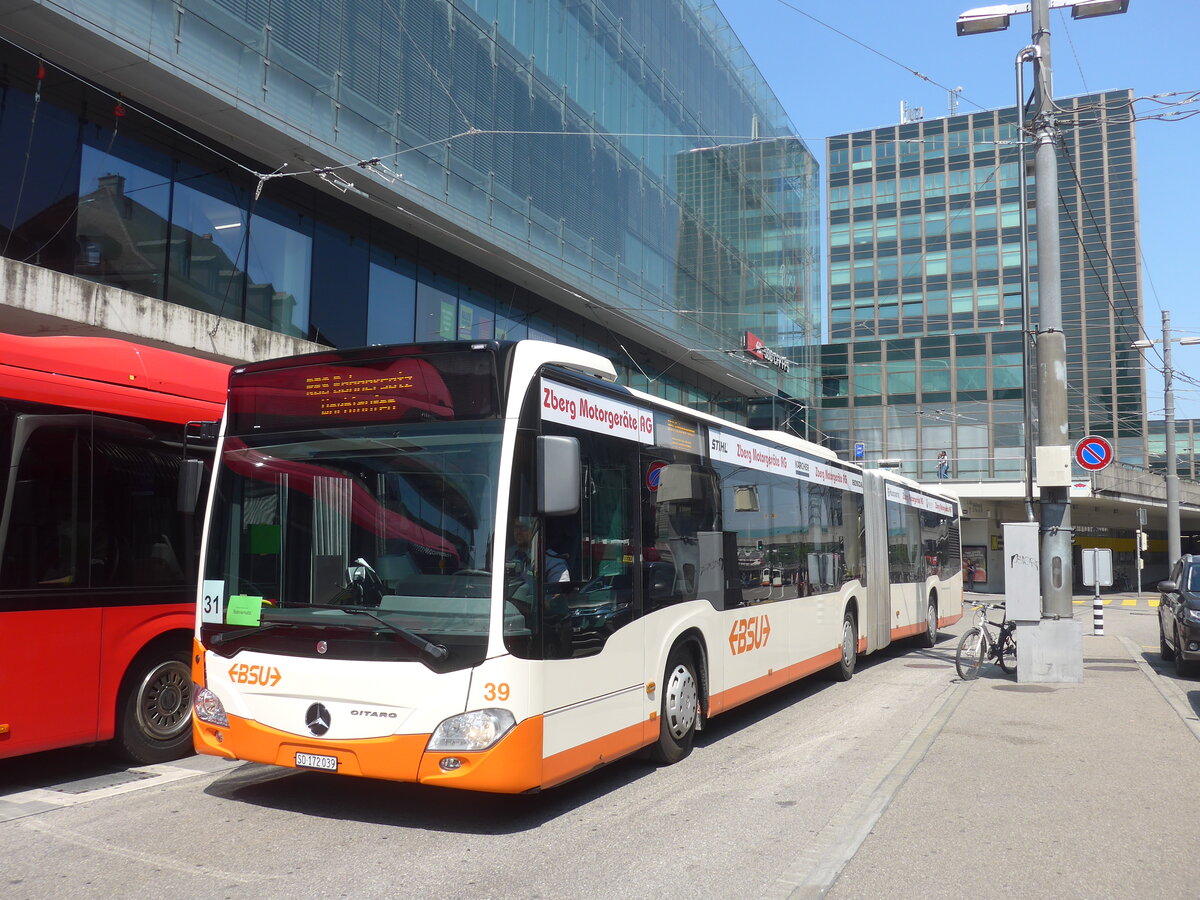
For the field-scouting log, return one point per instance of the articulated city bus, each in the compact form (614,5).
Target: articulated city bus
(489,566)
(97,559)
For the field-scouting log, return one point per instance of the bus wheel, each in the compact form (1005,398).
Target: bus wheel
(156,710)
(844,670)
(929,635)
(679,709)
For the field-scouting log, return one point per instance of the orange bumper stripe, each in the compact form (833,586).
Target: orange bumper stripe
(511,767)
(908,630)
(577,760)
(766,683)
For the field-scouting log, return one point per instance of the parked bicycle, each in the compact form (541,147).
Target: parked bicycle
(979,644)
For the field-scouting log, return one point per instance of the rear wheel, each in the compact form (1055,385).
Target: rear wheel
(969,657)
(929,635)
(155,710)
(1008,655)
(844,670)
(679,710)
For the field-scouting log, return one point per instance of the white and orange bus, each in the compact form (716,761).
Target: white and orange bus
(489,566)
(98,558)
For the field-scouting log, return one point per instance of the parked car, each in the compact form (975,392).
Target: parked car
(1179,615)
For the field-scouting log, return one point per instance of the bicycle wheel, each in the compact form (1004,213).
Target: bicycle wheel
(971,650)
(1007,657)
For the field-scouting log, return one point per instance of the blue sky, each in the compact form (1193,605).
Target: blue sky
(829,85)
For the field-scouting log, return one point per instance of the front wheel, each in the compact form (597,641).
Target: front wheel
(1008,654)
(679,710)
(155,722)
(969,657)
(1183,667)
(1164,649)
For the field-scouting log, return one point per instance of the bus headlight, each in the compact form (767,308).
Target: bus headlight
(209,708)
(475,730)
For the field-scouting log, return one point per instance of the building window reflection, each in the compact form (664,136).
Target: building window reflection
(206,245)
(437,306)
(122,223)
(279,270)
(392,298)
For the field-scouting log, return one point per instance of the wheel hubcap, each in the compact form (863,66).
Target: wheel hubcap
(848,644)
(164,701)
(681,702)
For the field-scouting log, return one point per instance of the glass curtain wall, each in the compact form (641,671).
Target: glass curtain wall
(554,131)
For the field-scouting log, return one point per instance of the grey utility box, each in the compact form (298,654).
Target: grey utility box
(1022,572)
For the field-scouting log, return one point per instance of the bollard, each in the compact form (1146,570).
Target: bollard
(1097,616)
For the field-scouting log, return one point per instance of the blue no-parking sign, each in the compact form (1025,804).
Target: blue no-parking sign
(1093,453)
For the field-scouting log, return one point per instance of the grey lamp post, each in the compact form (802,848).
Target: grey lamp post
(1054,446)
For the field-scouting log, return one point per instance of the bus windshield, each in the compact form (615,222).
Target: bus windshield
(370,543)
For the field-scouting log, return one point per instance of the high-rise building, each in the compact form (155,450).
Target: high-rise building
(925,288)
(927,313)
(247,178)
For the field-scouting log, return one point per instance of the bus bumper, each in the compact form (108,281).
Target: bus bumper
(513,765)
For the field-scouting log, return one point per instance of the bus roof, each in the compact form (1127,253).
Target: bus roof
(111,375)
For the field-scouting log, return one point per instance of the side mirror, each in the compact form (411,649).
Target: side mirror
(191,477)
(558,475)
(1167,587)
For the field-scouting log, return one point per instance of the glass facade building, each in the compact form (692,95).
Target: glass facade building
(926,295)
(606,173)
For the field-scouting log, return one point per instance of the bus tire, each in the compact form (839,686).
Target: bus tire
(929,635)
(155,710)
(844,670)
(678,710)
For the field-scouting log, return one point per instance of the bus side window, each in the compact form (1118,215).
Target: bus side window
(679,500)
(45,544)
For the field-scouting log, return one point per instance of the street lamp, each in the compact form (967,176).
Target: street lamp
(986,19)
(1174,549)
(1054,452)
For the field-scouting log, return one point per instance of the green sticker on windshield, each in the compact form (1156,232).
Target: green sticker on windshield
(243,609)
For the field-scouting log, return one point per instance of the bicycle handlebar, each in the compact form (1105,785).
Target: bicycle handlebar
(980,604)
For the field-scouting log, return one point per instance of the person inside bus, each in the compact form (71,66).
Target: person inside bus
(521,572)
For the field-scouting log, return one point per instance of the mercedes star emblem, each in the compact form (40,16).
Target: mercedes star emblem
(317,719)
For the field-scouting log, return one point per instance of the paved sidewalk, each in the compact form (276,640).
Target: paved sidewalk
(1047,791)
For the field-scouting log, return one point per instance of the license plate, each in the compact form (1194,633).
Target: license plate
(312,761)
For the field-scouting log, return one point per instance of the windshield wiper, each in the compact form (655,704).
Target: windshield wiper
(435,652)
(226,636)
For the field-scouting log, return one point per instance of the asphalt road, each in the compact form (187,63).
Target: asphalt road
(787,785)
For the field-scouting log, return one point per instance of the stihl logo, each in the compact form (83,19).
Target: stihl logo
(267,676)
(749,634)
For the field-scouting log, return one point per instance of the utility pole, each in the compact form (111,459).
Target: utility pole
(1173,540)
(1053,439)
(1053,642)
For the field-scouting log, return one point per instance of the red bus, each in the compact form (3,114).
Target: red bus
(97,552)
